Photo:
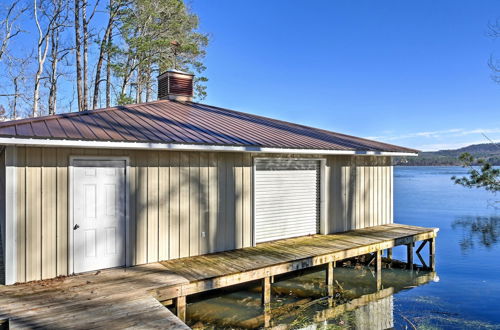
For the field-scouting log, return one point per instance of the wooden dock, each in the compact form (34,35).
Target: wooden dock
(130,297)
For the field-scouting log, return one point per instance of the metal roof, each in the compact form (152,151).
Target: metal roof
(188,123)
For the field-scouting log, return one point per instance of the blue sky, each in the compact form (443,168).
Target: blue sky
(412,73)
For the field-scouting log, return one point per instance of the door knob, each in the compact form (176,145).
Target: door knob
(75,227)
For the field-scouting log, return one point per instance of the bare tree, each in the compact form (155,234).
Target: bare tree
(57,54)
(85,30)
(8,27)
(104,50)
(82,24)
(17,74)
(42,50)
(78,55)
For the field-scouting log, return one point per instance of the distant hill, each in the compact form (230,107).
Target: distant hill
(488,151)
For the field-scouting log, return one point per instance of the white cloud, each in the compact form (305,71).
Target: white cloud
(454,132)
(447,146)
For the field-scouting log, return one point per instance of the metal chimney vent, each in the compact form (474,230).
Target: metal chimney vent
(175,85)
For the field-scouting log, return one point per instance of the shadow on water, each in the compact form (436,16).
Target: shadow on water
(478,230)
(302,301)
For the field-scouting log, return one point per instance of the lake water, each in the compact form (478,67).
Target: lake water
(464,292)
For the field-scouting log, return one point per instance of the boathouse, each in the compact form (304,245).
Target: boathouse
(142,183)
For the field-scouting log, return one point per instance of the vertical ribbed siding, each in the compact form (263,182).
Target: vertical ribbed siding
(181,204)
(2,216)
(360,192)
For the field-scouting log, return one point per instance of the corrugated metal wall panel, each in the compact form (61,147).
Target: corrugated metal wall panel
(199,203)
(2,216)
(175,206)
(286,198)
(359,192)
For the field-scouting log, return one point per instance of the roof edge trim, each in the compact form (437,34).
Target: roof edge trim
(188,147)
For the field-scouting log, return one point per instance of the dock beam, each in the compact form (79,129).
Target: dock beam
(409,255)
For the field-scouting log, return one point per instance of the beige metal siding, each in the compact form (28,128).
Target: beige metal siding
(180,204)
(359,192)
(2,216)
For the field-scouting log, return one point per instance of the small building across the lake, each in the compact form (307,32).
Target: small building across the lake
(143,183)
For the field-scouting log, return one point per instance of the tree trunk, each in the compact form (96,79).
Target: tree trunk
(85,29)
(100,60)
(78,56)
(127,75)
(42,49)
(138,86)
(16,95)
(149,91)
(108,72)
(53,72)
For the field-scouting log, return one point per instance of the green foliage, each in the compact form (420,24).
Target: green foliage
(159,35)
(123,99)
(482,176)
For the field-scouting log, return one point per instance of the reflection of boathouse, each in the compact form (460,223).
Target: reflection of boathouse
(358,303)
(376,314)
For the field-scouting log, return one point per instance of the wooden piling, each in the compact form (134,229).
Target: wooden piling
(389,254)
(378,269)
(409,255)
(329,273)
(432,254)
(266,291)
(180,306)
(330,279)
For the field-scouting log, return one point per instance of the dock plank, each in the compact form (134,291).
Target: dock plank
(129,297)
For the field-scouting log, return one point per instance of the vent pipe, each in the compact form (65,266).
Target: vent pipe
(175,85)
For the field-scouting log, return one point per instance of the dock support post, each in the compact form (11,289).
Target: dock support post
(266,291)
(378,268)
(389,254)
(409,254)
(180,306)
(330,278)
(266,300)
(329,274)
(432,253)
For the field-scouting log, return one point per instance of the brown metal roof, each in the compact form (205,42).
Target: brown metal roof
(167,121)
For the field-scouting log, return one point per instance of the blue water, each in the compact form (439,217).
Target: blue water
(467,249)
(465,293)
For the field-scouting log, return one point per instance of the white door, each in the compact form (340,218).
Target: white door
(286,198)
(98,214)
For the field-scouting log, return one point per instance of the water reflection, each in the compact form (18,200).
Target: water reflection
(484,231)
(302,302)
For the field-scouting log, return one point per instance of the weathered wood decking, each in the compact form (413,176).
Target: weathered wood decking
(120,298)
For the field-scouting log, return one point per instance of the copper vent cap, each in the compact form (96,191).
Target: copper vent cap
(175,85)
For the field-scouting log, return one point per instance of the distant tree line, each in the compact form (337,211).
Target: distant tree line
(485,152)
(85,54)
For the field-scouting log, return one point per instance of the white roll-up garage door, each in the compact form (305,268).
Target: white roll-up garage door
(286,198)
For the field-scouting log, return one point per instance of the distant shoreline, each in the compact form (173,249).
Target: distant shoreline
(488,151)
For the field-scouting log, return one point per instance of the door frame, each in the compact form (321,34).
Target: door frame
(72,160)
(323,229)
